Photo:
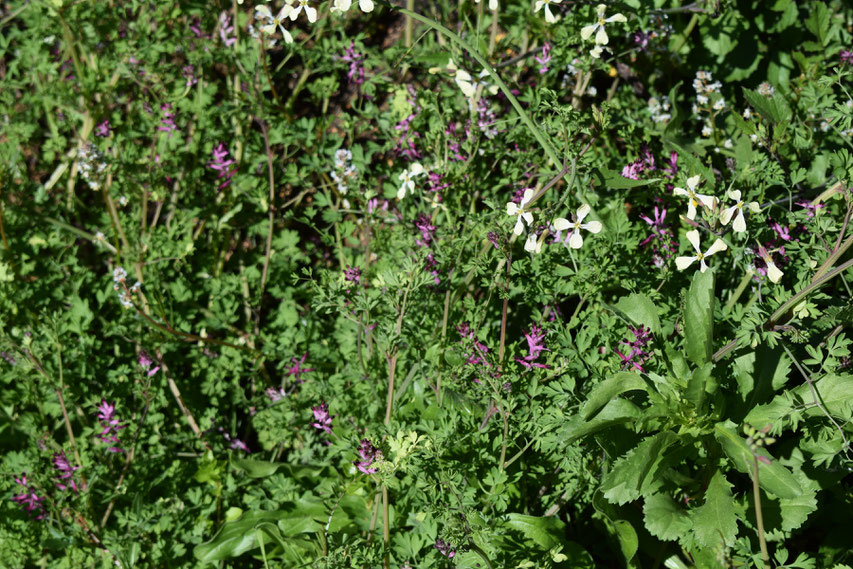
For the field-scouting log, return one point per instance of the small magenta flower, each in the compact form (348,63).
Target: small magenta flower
(424,224)
(445,548)
(28,499)
(66,471)
(145,362)
(544,58)
(368,454)
(480,349)
(693,236)
(111,426)
(356,65)
(322,419)
(222,164)
(637,355)
(103,129)
(167,123)
(296,370)
(535,346)
(353,275)
(846,57)
(275,394)
(225,28)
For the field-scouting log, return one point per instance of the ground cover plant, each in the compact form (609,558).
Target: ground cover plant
(351,283)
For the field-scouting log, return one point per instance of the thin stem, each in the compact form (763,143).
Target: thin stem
(271,207)
(694,19)
(386,529)
(759,517)
(392,363)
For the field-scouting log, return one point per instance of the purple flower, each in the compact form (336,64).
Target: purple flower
(535,346)
(671,165)
(445,548)
(424,225)
(632,170)
(493,239)
(226,28)
(811,209)
(66,471)
(188,71)
(368,454)
(103,129)
(353,274)
(641,39)
(322,419)
(480,349)
(356,66)
(637,355)
(275,394)
(544,58)
(111,426)
(296,370)
(145,362)
(431,265)
(167,123)
(783,233)
(222,164)
(28,499)
(846,57)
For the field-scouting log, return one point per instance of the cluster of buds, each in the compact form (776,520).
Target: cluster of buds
(445,548)
(125,293)
(757,439)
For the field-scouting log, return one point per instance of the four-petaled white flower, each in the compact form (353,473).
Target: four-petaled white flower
(469,84)
(693,236)
(344,5)
(521,211)
(598,27)
(549,16)
(739,225)
(309,11)
(274,22)
(575,237)
(493,4)
(533,244)
(407,181)
(773,271)
(694,198)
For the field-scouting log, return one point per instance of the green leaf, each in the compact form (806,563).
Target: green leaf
(773,478)
(256,468)
(628,540)
(716,518)
(701,382)
(818,21)
(639,309)
(616,181)
(235,538)
(615,412)
(773,108)
(614,385)
(699,318)
(637,473)
(546,532)
(664,518)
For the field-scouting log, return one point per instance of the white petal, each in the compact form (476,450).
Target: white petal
(528,195)
(740,223)
(616,18)
(754,207)
(691,210)
(312,14)
(727,214)
(403,175)
(693,237)
(773,272)
(587,31)
(600,9)
(576,240)
(519,226)
(530,244)
(702,266)
(601,37)
(264,11)
(287,37)
(549,17)
(596,52)
(561,223)
(365,5)
(467,88)
(284,12)
(295,12)
(592,226)
(528,217)
(493,5)
(401,193)
(707,201)
(416,169)
(683,262)
(539,4)
(679,192)
(719,245)
(511,208)
(693,181)
(268,29)
(582,212)
(735,195)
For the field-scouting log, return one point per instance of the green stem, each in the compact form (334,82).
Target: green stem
(694,19)
(759,517)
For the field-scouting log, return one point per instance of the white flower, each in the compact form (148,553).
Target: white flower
(693,236)
(773,271)
(309,11)
(344,5)
(520,211)
(706,131)
(407,181)
(719,104)
(694,198)
(493,4)
(747,113)
(575,237)
(598,27)
(276,21)
(549,16)
(533,244)
(596,51)
(469,84)
(766,89)
(739,225)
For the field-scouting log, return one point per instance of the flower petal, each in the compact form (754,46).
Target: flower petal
(511,208)
(707,201)
(561,223)
(365,5)
(592,226)
(683,262)
(719,245)
(532,244)
(773,272)
(416,169)
(519,226)
(693,237)
(528,195)
(616,18)
(601,36)
(735,195)
(740,222)
(576,240)
(582,212)
(693,181)
(528,217)
(727,214)
(587,31)
(312,14)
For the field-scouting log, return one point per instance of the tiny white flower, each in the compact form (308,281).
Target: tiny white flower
(344,5)
(719,104)
(309,11)
(549,16)
(702,99)
(747,113)
(766,89)
(493,4)
(575,237)
(596,51)
(533,244)
(407,181)
(707,131)
(694,198)
(598,27)
(728,143)
(773,271)
(520,211)
(469,84)
(693,236)
(592,91)
(739,225)
(276,21)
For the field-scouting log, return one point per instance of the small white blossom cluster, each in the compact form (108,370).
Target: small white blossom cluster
(660,109)
(597,28)
(766,89)
(125,294)
(533,244)
(345,171)
(90,165)
(709,101)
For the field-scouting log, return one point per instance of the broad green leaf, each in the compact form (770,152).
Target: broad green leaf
(615,412)
(545,532)
(835,392)
(235,538)
(628,540)
(664,518)
(773,478)
(639,309)
(256,468)
(699,318)
(605,391)
(700,383)
(773,108)
(637,473)
(716,518)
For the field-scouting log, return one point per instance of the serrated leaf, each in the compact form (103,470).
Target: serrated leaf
(699,318)
(605,391)
(715,519)
(637,473)
(639,309)
(617,411)
(773,108)
(546,532)
(701,382)
(773,478)
(664,518)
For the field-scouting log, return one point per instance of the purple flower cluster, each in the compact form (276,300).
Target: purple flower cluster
(225,29)
(368,454)
(66,472)
(167,122)
(222,164)
(661,239)
(145,362)
(846,57)
(103,129)
(646,161)
(406,141)
(480,350)
(28,499)
(356,64)
(322,419)
(535,346)
(296,370)
(424,224)
(544,58)
(275,394)
(637,354)
(453,144)
(110,425)
(353,275)
(445,548)
(188,71)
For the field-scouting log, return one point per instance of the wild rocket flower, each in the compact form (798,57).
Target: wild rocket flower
(28,499)
(694,199)
(407,181)
(66,472)
(469,84)
(574,238)
(520,211)
(693,236)
(736,210)
(322,419)
(344,5)
(770,268)
(275,22)
(110,425)
(304,5)
(546,4)
(598,27)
